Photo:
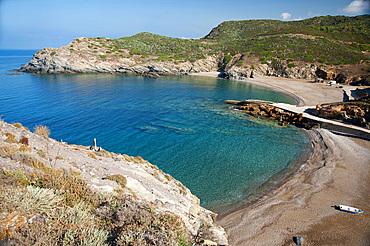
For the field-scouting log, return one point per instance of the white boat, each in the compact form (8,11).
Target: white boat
(349,209)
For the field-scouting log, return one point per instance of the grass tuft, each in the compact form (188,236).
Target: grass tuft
(121,180)
(43,131)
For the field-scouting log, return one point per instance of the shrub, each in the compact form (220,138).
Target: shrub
(290,65)
(10,138)
(102,56)
(136,223)
(18,125)
(42,131)
(239,63)
(227,59)
(24,140)
(52,53)
(309,58)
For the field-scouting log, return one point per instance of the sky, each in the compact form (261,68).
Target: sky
(36,24)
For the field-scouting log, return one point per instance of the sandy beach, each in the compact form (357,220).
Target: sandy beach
(337,173)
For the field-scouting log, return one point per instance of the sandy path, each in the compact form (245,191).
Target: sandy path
(337,173)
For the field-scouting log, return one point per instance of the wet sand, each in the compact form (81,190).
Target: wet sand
(337,173)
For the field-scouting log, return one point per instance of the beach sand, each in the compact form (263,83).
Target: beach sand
(337,173)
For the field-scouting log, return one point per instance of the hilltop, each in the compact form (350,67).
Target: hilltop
(330,47)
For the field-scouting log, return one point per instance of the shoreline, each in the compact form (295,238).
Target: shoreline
(303,92)
(271,184)
(337,172)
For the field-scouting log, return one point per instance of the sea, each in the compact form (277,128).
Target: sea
(179,123)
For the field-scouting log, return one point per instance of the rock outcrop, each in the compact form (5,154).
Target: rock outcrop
(263,109)
(356,112)
(103,171)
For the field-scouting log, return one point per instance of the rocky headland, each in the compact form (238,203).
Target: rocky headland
(98,55)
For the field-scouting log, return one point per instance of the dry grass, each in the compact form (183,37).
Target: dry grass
(59,208)
(10,138)
(42,131)
(67,212)
(18,125)
(92,154)
(121,180)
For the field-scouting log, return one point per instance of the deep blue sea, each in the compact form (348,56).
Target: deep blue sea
(179,123)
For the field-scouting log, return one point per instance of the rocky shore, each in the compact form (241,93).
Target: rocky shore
(260,109)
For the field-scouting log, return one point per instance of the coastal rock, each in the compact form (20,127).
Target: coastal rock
(258,109)
(279,70)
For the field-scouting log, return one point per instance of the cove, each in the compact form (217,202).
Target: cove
(179,123)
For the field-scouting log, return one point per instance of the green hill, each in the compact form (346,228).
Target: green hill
(333,40)
(348,29)
(330,40)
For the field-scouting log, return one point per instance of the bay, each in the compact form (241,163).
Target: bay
(179,123)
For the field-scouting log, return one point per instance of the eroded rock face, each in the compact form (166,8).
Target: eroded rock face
(280,70)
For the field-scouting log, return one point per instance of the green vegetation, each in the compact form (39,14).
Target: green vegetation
(334,40)
(165,48)
(320,39)
(52,53)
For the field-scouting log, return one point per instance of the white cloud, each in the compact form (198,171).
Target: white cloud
(285,16)
(357,7)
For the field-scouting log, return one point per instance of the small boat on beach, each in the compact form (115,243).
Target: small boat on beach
(349,209)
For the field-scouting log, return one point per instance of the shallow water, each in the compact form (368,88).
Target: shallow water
(179,123)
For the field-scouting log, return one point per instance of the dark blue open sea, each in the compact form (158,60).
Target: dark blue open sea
(179,123)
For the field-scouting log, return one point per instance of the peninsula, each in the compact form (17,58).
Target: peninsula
(329,47)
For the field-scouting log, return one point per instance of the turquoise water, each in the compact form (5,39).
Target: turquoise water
(179,123)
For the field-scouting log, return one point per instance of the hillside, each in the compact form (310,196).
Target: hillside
(332,47)
(53,193)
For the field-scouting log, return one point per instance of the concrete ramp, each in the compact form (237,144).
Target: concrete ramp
(331,125)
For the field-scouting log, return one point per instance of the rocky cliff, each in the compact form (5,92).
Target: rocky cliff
(24,155)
